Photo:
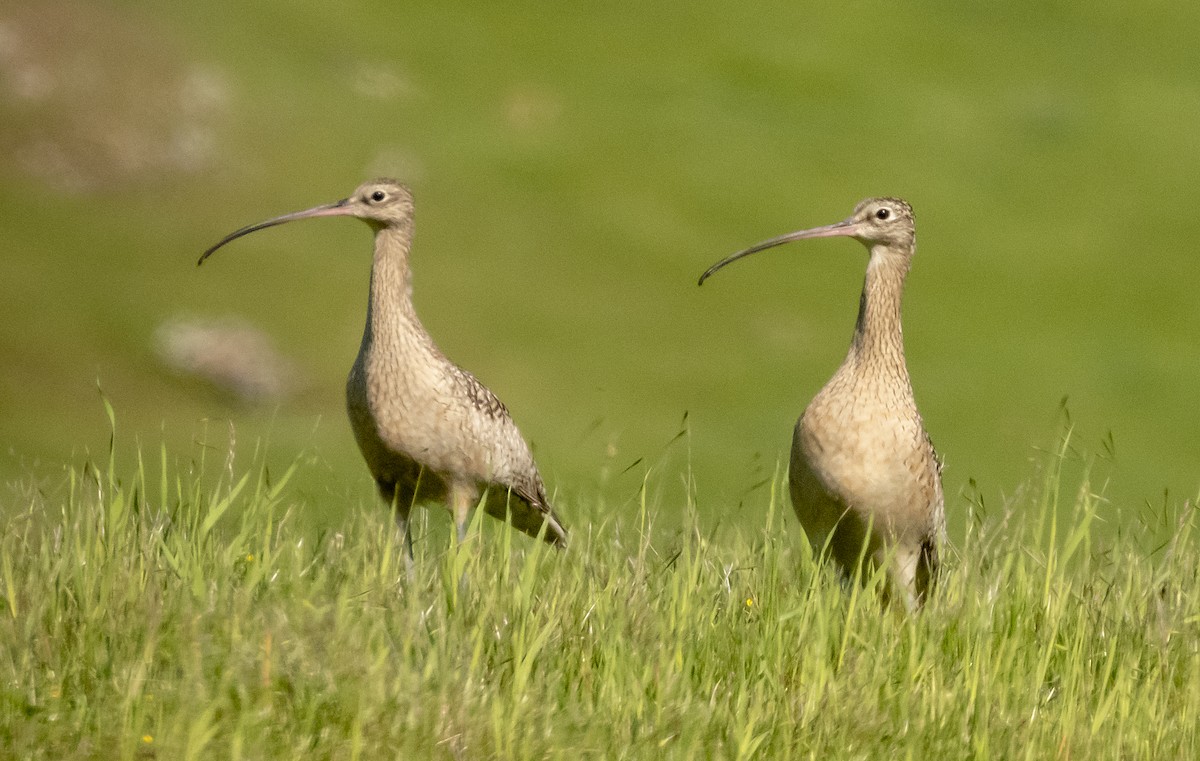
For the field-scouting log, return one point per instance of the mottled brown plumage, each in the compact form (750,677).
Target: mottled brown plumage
(427,428)
(863,470)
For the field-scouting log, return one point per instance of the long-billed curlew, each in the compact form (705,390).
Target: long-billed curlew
(863,470)
(427,428)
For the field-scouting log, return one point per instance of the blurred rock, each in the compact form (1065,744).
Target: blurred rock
(95,97)
(231,354)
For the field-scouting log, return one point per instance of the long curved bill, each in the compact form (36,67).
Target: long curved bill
(336,209)
(845,227)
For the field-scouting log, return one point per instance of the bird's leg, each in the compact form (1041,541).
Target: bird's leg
(902,579)
(927,569)
(463,497)
(406,537)
(400,510)
(914,572)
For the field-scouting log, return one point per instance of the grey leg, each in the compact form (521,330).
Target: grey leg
(462,502)
(406,537)
(400,511)
(463,497)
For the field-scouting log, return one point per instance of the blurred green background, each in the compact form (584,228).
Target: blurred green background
(576,167)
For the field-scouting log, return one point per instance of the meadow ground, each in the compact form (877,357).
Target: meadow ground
(574,174)
(193,616)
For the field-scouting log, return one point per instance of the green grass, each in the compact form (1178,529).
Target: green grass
(179,608)
(575,172)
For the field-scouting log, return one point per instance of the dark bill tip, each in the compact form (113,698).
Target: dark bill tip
(826,231)
(328,210)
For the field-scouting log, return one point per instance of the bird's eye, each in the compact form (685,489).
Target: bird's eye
(883,214)
(378,196)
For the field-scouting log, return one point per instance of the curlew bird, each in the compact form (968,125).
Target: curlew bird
(427,428)
(864,478)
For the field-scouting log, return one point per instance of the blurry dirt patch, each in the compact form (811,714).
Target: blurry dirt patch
(230,354)
(95,97)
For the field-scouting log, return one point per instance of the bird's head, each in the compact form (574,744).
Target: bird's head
(876,223)
(887,221)
(380,203)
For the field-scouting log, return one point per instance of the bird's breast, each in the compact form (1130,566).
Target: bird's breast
(416,407)
(868,450)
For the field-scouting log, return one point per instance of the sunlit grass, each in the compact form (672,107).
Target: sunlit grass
(193,616)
